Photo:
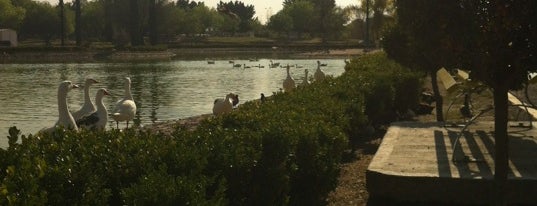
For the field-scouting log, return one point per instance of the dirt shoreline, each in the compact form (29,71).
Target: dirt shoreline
(167,55)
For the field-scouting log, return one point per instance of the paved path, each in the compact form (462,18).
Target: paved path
(414,163)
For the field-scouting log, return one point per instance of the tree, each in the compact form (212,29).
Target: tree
(187,4)
(108,16)
(93,21)
(323,9)
(281,22)
(11,15)
(78,31)
(502,53)
(301,13)
(336,23)
(495,39)
(380,9)
(62,22)
(153,31)
(227,23)
(422,38)
(41,21)
(135,24)
(237,9)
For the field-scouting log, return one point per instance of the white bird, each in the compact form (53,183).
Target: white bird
(289,82)
(306,81)
(222,106)
(98,119)
(319,74)
(126,108)
(65,119)
(88,107)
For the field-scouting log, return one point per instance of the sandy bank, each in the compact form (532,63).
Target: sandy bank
(170,54)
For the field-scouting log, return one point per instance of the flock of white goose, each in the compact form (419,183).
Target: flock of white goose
(91,116)
(95,116)
(289,82)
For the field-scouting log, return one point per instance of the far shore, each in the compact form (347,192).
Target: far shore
(172,54)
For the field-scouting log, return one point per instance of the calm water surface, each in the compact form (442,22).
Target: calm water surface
(162,91)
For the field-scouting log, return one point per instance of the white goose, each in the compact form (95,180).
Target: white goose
(88,106)
(97,120)
(306,81)
(65,119)
(125,109)
(289,82)
(222,106)
(319,74)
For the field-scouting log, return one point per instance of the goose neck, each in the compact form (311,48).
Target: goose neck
(62,104)
(99,101)
(87,99)
(128,94)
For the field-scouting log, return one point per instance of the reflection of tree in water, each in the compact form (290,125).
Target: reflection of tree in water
(147,81)
(155,91)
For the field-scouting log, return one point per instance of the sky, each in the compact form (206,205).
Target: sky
(263,8)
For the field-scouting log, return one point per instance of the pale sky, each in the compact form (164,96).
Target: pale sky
(263,8)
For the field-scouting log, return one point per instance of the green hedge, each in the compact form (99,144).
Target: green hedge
(286,151)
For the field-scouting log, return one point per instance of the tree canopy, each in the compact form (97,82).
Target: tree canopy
(124,22)
(11,15)
(495,39)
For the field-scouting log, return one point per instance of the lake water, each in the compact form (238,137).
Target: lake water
(162,91)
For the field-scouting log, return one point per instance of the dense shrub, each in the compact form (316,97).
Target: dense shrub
(286,151)
(390,89)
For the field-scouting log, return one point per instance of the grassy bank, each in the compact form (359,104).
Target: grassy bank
(285,151)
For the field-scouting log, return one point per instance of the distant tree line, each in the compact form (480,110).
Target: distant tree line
(139,22)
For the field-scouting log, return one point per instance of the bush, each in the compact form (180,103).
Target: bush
(286,151)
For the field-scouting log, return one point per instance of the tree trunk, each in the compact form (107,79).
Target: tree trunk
(135,33)
(153,35)
(108,33)
(501,158)
(78,32)
(437,97)
(62,24)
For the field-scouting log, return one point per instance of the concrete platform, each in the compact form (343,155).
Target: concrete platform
(414,163)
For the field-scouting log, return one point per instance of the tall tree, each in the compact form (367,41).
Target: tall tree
(301,13)
(153,31)
(78,31)
(237,9)
(187,4)
(135,27)
(62,22)
(422,38)
(11,15)
(281,22)
(502,54)
(108,19)
(93,21)
(495,39)
(324,10)
(41,21)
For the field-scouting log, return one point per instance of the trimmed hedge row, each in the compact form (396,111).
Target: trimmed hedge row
(285,151)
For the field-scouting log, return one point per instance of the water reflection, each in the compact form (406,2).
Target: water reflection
(162,91)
